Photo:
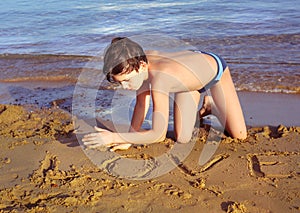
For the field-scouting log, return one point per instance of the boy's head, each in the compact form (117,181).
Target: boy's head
(122,56)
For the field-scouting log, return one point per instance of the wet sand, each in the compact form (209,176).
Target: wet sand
(44,169)
(270,108)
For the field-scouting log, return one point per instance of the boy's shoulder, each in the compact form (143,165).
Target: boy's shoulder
(152,52)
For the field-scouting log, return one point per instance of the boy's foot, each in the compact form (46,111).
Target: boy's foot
(206,106)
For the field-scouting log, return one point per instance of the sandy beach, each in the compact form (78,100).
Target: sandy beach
(52,92)
(44,169)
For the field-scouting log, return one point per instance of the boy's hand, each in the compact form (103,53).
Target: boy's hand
(102,137)
(124,146)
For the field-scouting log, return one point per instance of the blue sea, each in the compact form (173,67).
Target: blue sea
(259,39)
(81,26)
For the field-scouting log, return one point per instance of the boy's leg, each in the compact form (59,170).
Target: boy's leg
(228,107)
(185,113)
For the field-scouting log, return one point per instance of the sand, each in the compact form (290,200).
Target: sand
(44,169)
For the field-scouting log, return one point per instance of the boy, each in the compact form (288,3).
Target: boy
(185,73)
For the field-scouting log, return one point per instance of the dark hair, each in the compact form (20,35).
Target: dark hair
(122,56)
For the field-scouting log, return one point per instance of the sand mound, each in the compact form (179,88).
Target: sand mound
(19,123)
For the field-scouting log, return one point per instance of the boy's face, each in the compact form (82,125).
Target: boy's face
(130,81)
(134,79)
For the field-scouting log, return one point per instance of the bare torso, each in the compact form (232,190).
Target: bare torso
(181,71)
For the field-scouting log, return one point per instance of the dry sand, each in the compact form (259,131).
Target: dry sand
(44,169)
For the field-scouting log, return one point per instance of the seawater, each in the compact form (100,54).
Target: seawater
(52,38)
(80,27)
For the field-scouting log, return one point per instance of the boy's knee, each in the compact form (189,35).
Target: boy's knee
(241,135)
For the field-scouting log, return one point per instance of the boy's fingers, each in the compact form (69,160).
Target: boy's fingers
(89,137)
(121,147)
(98,129)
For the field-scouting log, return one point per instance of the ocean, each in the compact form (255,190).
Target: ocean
(54,39)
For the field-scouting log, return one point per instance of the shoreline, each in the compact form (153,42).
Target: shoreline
(259,108)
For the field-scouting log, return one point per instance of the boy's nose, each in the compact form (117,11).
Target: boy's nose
(125,85)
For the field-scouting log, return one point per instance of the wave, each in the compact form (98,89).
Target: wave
(264,63)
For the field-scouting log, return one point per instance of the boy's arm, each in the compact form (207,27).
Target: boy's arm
(160,118)
(158,132)
(141,108)
(139,114)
